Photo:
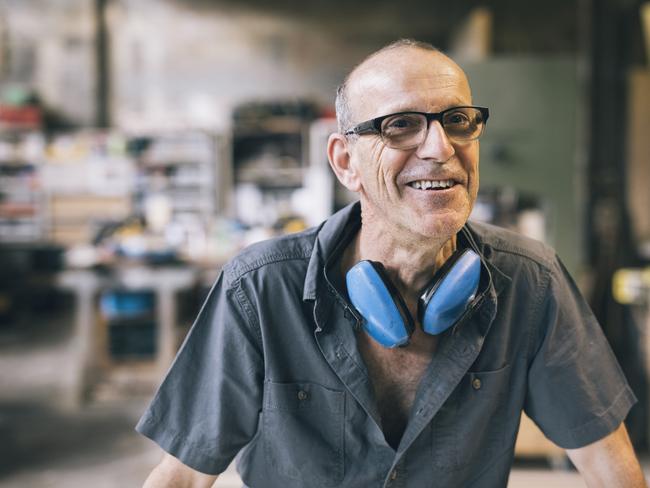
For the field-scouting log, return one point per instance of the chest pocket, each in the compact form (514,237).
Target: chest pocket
(303,432)
(471,425)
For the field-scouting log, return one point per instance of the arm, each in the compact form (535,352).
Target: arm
(171,473)
(609,462)
(207,408)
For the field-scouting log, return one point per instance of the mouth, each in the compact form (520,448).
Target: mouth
(432,185)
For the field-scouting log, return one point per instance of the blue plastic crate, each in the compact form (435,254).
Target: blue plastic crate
(125,304)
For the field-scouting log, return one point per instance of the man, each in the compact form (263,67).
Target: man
(280,367)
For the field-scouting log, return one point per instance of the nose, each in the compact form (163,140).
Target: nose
(436,145)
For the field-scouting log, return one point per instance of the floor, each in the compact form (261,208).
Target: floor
(46,443)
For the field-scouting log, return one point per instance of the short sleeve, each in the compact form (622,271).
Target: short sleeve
(577,393)
(208,405)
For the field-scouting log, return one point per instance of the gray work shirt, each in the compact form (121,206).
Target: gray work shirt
(271,370)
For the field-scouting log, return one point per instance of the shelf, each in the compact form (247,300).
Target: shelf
(265,132)
(22,210)
(10,210)
(17,166)
(181,167)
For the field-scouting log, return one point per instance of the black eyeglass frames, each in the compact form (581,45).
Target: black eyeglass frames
(406,130)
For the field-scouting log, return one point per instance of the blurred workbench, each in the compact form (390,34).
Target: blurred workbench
(90,337)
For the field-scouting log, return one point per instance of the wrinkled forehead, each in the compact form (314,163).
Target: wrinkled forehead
(406,79)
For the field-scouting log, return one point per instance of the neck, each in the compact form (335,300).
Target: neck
(409,261)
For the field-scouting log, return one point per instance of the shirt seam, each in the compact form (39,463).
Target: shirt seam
(537,316)
(497,243)
(543,263)
(605,416)
(292,246)
(175,438)
(247,308)
(236,274)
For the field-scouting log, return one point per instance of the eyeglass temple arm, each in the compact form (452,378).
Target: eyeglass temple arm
(363,128)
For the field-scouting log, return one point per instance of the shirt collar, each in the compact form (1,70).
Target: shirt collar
(499,279)
(333,235)
(337,231)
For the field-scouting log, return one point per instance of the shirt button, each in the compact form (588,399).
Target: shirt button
(302,395)
(393,475)
(476,384)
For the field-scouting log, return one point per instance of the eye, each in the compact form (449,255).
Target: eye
(463,123)
(458,118)
(402,123)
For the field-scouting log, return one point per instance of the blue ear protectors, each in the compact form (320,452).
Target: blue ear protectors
(442,302)
(452,289)
(387,319)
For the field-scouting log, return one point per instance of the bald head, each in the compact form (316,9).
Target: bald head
(381,68)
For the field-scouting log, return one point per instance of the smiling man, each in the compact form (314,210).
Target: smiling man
(396,344)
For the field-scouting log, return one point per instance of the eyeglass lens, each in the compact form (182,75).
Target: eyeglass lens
(410,129)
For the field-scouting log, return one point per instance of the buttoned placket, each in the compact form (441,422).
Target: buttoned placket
(397,476)
(454,357)
(336,339)
(456,354)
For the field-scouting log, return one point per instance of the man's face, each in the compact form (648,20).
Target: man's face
(418,80)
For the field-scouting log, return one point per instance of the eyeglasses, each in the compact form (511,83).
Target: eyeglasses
(406,130)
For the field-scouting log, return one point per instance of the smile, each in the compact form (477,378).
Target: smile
(432,184)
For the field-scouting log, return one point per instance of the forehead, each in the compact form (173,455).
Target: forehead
(406,79)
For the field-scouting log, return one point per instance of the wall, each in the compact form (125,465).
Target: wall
(178,66)
(177,62)
(531,142)
(49,47)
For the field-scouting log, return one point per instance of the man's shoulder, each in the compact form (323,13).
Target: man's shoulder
(511,245)
(291,250)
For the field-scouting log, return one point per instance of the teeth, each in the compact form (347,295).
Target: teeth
(426,184)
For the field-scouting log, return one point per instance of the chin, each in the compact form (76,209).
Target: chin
(437,227)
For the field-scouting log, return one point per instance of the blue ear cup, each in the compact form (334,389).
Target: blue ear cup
(386,316)
(452,289)
(387,319)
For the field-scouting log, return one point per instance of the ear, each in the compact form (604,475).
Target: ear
(338,153)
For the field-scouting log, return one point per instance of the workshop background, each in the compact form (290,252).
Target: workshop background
(144,142)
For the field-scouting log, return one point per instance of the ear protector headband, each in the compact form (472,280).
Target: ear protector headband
(442,302)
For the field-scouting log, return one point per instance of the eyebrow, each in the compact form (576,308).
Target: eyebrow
(410,108)
(454,101)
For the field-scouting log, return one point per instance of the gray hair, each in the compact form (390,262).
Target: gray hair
(344,116)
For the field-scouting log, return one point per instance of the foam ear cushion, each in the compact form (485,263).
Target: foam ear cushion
(387,319)
(452,289)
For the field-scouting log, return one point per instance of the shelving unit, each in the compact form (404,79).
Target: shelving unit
(180,167)
(22,206)
(270,148)
(88,180)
